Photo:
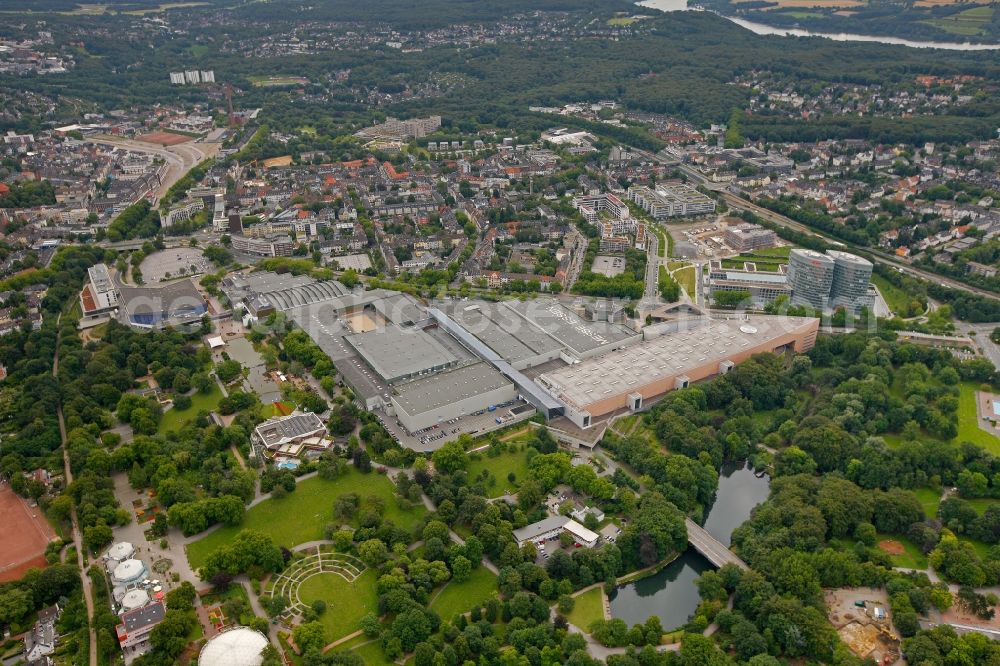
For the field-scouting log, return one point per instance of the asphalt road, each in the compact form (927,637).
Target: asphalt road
(709,547)
(179,159)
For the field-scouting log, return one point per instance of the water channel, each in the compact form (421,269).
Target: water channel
(762,29)
(671,593)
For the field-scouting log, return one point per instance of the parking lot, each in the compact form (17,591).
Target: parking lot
(173,263)
(608,266)
(434,438)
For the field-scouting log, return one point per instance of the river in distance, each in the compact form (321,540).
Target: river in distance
(762,29)
(671,593)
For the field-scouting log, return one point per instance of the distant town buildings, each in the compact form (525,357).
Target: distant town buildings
(192,77)
(671,200)
(393,128)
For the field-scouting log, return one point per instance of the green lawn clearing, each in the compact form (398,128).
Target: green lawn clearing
(968,422)
(911,558)
(280,408)
(346,603)
(980,504)
(930,499)
(372,654)
(686,278)
(175,419)
(588,609)
(901,303)
(500,467)
(455,598)
(301,516)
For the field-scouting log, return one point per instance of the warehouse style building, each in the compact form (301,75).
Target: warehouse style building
(628,378)
(398,354)
(458,392)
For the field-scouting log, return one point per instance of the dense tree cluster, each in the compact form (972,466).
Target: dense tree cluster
(140,220)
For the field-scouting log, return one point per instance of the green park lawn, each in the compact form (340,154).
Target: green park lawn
(346,603)
(302,515)
(968,422)
(897,299)
(588,609)
(372,654)
(911,558)
(686,278)
(929,499)
(980,504)
(500,467)
(174,419)
(455,597)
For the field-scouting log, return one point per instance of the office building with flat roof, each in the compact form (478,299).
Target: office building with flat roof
(626,379)
(671,200)
(446,395)
(746,236)
(99,295)
(810,275)
(763,287)
(553,526)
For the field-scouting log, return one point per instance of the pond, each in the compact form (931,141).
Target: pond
(671,593)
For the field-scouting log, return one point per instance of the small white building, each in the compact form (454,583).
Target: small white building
(553,526)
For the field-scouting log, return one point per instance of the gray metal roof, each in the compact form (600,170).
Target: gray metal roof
(400,309)
(444,388)
(144,617)
(743,276)
(176,297)
(543,526)
(561,323)
(396,353)
(314,292)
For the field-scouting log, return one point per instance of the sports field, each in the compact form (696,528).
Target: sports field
(302,515)
(25,535)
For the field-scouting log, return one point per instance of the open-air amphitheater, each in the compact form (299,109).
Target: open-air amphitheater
(319,560)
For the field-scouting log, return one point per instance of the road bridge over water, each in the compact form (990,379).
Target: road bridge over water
(710,547)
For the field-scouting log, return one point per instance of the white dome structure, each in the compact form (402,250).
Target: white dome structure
(129,571)
(134,599)
(122,550)
(239,646)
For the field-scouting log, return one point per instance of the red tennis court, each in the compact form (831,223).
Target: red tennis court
(26,533)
